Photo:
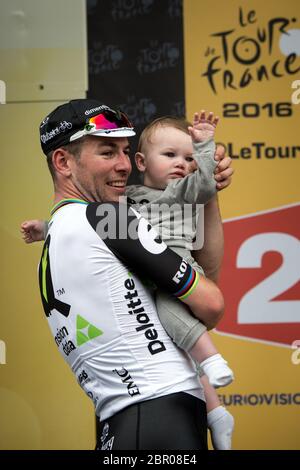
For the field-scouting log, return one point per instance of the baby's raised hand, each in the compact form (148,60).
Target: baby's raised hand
(203,126)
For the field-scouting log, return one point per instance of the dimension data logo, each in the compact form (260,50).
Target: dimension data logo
(85,331)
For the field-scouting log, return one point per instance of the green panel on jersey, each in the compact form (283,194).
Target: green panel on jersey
(44,267)
(50,302)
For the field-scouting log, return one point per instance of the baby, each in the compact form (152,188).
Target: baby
(179,170)
(177,163)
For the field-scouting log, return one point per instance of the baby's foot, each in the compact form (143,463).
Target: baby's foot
(221,424)
(217,371)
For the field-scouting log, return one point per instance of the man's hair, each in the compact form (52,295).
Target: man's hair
(74,148)
(166,121)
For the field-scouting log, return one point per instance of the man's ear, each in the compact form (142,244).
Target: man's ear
(140,161)
(61,160)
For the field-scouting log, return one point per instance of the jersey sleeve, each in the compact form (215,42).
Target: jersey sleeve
(200,186)
(134,241)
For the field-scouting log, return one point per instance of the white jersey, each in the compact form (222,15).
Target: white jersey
(103,319)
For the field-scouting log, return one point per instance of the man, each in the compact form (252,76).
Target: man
(103,319)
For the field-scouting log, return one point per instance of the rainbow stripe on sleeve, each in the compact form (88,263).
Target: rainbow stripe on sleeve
(189,286)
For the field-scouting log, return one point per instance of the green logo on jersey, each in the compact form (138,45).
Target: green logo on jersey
(44,269)
(90,332)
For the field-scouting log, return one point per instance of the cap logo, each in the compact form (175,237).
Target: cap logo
(89,127)
(44,122)
(99,108)
(63,125)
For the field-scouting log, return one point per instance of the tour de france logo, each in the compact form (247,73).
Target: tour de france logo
(252,52)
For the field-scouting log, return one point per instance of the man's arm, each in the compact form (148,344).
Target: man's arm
(206,302)
(140,248)
(211,255)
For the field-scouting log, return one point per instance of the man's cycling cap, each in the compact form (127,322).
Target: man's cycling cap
(79,118)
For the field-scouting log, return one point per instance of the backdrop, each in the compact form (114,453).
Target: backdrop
(154,57)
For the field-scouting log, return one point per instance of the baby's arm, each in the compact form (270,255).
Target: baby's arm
(200,186)
(202,133)
(211,255)
(33,230)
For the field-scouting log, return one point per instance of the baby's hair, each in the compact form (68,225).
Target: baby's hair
(165,121)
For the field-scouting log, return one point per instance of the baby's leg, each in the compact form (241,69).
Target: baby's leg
(178,321)
(220,421)
(211,362)
(191,335)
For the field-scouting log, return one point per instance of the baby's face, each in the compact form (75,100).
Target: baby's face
(168,155)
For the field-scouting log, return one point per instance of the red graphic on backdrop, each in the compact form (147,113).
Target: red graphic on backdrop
(260,278)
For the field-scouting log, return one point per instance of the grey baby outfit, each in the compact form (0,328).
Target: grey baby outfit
(175,213)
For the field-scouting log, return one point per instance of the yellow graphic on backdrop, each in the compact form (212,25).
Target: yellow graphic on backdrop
(242,61)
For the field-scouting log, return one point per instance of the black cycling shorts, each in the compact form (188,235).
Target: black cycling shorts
(172,422)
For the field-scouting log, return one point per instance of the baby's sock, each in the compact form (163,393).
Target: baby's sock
(221,424)
(217,371)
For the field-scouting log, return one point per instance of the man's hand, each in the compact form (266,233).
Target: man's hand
(203,127)
(223,172)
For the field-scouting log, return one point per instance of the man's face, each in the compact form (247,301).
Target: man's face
(103,169)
